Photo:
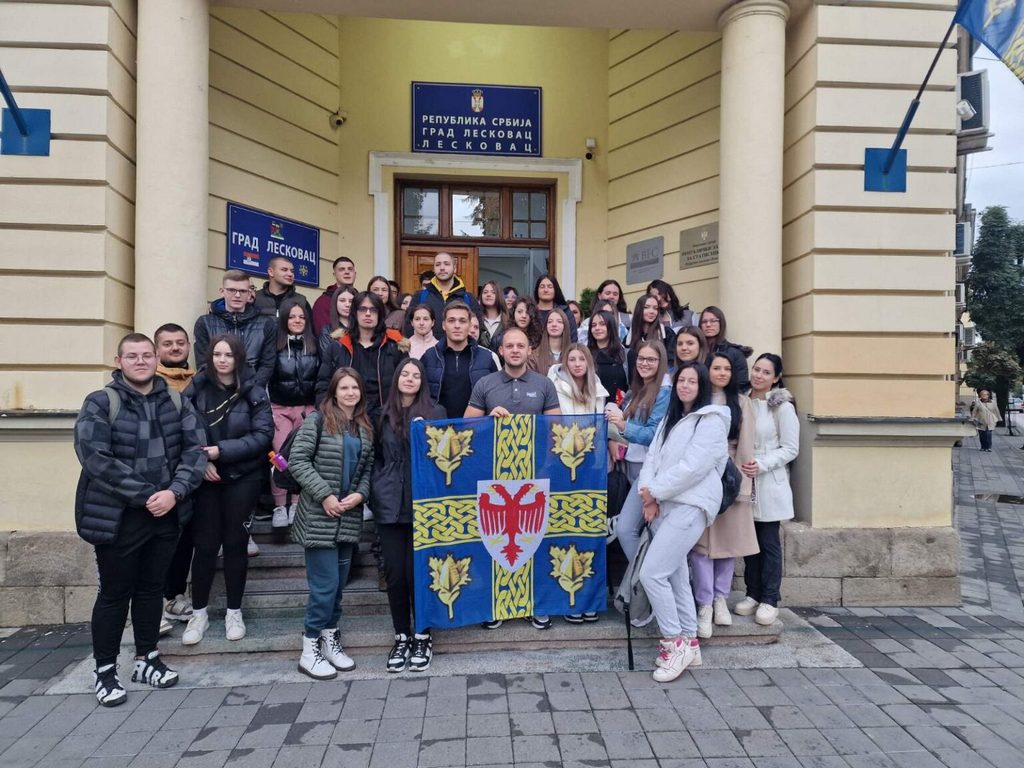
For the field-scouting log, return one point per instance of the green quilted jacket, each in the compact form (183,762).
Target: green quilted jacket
(320,476)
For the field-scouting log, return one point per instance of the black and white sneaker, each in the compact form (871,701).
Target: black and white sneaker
(398,659)
(574,618)
(152,671)
(422,651)
(539,622)
(109,691)
(492,624)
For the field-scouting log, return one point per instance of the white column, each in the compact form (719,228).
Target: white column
(750,202)
(172,160)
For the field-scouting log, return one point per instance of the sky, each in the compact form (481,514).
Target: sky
(997,177)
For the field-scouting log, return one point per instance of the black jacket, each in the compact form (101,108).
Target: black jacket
(150,447)
(294,378)
(258,332)
(337,354)
(268,304)
(391,489)
(612,374)
(481,363)
(248,425)
(431,295)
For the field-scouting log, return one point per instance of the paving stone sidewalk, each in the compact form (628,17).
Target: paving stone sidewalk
(942,687)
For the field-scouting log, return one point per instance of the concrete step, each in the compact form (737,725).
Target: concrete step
(275,594)
(373,634)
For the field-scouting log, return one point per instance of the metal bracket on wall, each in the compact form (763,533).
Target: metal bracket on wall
(22,131)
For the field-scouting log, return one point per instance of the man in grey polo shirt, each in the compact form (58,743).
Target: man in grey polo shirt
(514,390)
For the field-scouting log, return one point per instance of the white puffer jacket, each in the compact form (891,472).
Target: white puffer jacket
(567,404)
(776,444)
(687,468)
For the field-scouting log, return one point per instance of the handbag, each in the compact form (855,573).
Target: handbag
(731,479)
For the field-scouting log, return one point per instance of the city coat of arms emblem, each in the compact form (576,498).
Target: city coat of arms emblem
(476,100)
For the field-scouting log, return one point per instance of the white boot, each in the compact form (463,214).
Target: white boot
(704,614)
(312,661)
(332,650)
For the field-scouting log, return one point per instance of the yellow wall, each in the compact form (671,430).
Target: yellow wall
(868,276)
(380,59)
(663,99)
(273,85)
(68,220)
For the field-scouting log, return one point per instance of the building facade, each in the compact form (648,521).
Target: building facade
(752,115)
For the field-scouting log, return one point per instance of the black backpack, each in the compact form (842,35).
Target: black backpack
(283,478)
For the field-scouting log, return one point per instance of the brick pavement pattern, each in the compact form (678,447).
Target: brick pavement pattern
(941,687)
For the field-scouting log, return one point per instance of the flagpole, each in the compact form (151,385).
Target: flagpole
(912,109)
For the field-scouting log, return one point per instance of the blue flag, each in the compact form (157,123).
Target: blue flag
(509,518)
(999,24)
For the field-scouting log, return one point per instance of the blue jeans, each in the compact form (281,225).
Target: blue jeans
(326,572)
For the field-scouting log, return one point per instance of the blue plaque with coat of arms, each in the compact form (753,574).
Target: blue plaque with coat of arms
(255,237)
(465,119)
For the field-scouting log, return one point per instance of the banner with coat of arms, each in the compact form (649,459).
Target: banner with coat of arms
(509,518)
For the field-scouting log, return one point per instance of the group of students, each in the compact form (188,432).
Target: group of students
(174,459)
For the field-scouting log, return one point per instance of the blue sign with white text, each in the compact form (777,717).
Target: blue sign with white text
(255,237)
(455,118)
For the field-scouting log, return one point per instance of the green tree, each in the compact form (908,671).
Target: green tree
(993,368)
(996,280)
(586,300)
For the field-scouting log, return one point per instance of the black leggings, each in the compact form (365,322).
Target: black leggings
(132,570)
(762,572)
(223,513)
(181,563)
(396,549)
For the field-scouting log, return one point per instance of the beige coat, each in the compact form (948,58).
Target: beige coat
(985,415)
(732,533)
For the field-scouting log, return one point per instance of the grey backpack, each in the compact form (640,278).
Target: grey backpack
(630,598)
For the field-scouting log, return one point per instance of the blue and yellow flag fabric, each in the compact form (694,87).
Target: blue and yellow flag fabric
(999,24)
(509,518)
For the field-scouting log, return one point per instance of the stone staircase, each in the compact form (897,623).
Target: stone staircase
(275,599)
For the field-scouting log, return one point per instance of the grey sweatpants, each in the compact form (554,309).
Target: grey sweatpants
(665,574)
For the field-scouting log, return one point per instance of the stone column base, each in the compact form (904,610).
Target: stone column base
(46,577)
(870,566)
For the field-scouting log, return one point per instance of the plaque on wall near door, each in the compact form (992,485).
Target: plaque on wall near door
(468,119)
(645,260)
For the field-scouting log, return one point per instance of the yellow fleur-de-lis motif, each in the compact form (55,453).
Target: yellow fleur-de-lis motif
(571,568)
(448,448)
(572,444)
(448,577)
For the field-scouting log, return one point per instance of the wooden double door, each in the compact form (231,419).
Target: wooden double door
(417,259)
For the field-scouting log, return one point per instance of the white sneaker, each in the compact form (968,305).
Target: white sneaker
(178,609)
(292,508)
(251,549)
(766,614)
(745,607)
(165,627)
(697,660)
(312,661)
(332,650)
(722,617)
(704,622)
(195,629)
(675,656)
(234,626)
(279,518)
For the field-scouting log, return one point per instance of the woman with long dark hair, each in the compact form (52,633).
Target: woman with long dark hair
(331,459)
(553,340)
(391,502)
(239,424)
(602,305)
(422,320)
(671,313)
(340,317)
(394,317)
(493,315)
(776,444)
(292,386)
(712,323)
(608,353)
(732,535)
(370,348)
(525,318)
(635,423)
(645,327)
(547,293)
(691,346)
(681,490)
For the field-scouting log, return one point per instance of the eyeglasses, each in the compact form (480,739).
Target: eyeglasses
(236,291)
(368,310)
(648,360)
(146,357)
